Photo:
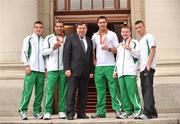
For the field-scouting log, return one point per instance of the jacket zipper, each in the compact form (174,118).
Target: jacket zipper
(38,52)
(123,60)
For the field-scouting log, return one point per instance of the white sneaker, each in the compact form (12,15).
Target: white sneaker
(23,115)
(124,115)
(62,115)
(38,116)
(47,116)
(143,117)
(136,116)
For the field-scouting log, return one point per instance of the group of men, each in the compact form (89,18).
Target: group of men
(69,61)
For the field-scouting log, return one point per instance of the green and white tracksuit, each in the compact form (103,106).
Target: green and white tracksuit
(126,65)
(54,65)
(104,72)
(31,55)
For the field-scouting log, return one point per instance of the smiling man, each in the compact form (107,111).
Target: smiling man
(33,60)
(78,65)
(53,51)
(105,43)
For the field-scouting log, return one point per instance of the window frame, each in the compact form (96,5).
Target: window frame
(67,7)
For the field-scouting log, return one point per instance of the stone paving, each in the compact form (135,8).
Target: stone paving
(170,118)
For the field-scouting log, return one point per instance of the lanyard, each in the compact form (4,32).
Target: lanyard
(102,41)
(58,40)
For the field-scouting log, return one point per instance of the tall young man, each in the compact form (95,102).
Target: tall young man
(147,69)
(126,65)
(53,51)
(33,60)
(105,43)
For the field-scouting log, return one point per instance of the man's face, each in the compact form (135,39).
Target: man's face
(59,28)
(81,30)
(140,29)
(102,23)
(125,32)
(38,29)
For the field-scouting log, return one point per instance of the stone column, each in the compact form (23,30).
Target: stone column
(16,22)
(162,19)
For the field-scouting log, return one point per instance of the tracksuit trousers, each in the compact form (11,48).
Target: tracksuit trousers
(147,92)
(33,79)
(103,74)
(54,77)
(130,98)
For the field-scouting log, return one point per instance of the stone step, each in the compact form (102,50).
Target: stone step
(168,118)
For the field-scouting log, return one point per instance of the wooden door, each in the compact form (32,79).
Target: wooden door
(92,95)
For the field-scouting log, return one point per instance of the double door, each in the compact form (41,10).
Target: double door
(114,23)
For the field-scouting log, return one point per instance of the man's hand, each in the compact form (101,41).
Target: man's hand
(105,47)
(68,73)
(91,75)
(56,45)
(115,74)
(148,67)
(128,47)
(27,70)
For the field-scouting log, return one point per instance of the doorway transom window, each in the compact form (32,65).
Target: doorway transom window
(81,5)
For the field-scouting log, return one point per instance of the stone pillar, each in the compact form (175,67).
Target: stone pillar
(162,19)
(16,21)
(137,12)
(46,15)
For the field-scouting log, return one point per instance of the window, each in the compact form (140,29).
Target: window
(123,3)
(86,4)
(109,4)
(60,4)
(78,5)
(97,4)
(75,4)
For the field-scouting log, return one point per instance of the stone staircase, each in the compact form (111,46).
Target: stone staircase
(166,91)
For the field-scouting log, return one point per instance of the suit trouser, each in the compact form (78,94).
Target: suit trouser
(54,77)
(103,73)
(147,92)
(130,98)
(37,79)
(74,83)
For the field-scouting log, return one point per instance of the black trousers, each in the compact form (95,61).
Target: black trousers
(147,78)
(75,84)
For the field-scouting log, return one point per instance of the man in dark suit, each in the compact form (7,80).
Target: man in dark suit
(78,65)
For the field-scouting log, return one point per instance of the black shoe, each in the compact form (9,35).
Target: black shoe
(154,114)
(98,116)
(70,118)
(82,117)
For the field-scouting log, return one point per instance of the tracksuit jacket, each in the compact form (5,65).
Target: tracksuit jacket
(126,61)
(31,54)
(53,58)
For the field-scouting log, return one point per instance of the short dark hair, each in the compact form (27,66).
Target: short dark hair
(38,22)
(101,17)
(139,22)
(81,23)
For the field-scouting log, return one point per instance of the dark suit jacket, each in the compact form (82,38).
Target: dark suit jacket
(74,57)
